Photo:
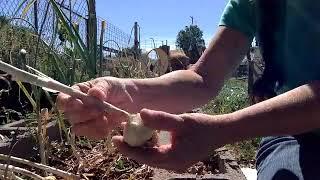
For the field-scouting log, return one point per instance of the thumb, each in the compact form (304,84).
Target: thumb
(96,97)
(160,120)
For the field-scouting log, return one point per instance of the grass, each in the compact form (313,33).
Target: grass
(233,96)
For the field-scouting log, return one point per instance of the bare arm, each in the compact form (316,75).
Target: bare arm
(184,90)
(175,92)
(195,135)
(291,113)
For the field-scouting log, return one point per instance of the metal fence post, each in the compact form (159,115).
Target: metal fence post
(35,11)
(103,27)
(136,40)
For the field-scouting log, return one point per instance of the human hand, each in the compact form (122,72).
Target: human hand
(193,137)
(86,116)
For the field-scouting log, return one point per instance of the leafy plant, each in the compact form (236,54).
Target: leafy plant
(72,61)
(191,41)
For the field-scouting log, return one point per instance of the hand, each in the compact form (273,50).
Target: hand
(86,117)
(193,137)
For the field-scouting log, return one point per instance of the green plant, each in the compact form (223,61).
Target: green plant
(88,54)
(41,55)
(191,41)
(74,59)
(232,97)
(75,48)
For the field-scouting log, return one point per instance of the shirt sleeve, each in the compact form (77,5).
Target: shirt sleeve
(241,16)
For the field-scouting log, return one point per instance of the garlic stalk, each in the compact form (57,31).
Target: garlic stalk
(44,81)
(58,172)
(135,133)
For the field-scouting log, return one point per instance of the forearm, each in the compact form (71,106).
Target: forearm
(176,92)
(182,91)
(291,113)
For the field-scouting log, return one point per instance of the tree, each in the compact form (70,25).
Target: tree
(191,41)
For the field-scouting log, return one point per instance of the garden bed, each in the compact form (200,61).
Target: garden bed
(99,160)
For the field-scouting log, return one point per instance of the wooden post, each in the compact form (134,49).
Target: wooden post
(43,118)
(136,40)
(250,74)
(92,38)
(103,28)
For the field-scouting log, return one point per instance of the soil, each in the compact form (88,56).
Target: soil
(99,160)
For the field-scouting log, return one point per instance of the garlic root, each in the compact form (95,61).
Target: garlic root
(135,133)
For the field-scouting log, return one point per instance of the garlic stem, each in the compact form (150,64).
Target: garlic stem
(46,168)
(55,85)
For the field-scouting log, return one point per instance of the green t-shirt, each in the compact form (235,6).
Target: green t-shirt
(299,60)
(301,44)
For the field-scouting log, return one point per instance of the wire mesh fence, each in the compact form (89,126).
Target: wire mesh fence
(114,40)
(42,19)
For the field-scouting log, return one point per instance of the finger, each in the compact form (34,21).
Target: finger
(63,100)
(67,103)
(116,117)
(160,120)
(82,115)
(78,112)
(103,87)
(93,129)
(154,156)
(97,92)
(123,124)
(73,104)
(83,87)
(91,104)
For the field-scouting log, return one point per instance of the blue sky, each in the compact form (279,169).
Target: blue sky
(162,19)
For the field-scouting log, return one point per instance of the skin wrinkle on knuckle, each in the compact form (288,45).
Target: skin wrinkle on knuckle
(89,84)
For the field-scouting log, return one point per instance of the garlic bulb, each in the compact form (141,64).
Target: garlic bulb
(135,133)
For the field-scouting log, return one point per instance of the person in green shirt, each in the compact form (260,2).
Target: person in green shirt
(288,32)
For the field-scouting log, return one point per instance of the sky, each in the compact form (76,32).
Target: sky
(162,20)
